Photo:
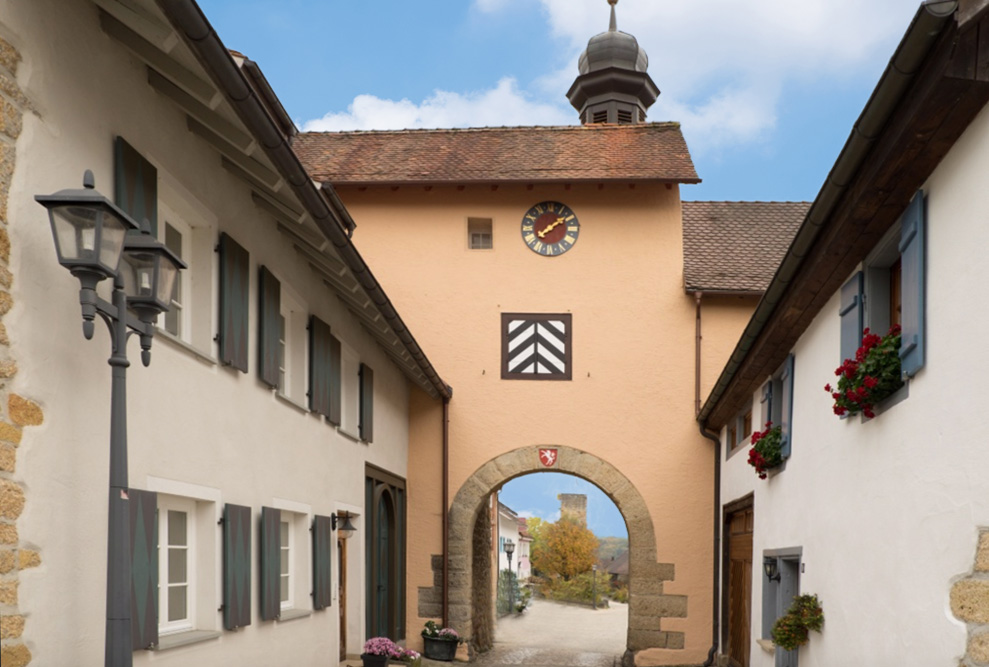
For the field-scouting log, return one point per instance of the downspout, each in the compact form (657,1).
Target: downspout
(446,512)
(697,355)
(716,579)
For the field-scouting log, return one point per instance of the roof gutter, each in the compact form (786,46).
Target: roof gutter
(924,30)
(188,19)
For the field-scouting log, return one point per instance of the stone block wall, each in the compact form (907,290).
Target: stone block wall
(16,412)
(970,603)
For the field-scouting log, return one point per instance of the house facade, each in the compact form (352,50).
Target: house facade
(880,505)
(277,405)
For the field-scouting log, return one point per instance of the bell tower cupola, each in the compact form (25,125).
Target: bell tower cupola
(613,86)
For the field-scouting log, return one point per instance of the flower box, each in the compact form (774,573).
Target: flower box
(873,375)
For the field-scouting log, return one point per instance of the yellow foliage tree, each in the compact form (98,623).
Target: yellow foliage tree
(567,549)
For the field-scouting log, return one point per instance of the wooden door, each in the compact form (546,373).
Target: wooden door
(342,595)
(739,586)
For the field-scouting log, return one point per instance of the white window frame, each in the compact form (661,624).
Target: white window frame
(474,221)
(299,518)
(188,507)
(293,364)
(287,575)
(183,281)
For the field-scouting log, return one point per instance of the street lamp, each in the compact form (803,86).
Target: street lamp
(594,587)
(91,240)
(771,567)
(509,550)
(345,531)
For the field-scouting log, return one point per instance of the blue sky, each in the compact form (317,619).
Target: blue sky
(766,91)
(535,495)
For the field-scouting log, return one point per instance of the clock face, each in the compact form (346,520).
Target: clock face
(550,228)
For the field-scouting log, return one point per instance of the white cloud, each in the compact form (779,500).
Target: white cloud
(502,105)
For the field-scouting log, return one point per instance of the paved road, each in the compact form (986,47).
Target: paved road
(555,635)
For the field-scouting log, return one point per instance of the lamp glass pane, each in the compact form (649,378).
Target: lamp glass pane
(75,232)
(111,240)
(137,269)
(167,273)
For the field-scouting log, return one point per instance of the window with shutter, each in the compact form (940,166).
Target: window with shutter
(236,566)
(143,507)
(135,184)
(367,403)
(177,556)
(234,299)
(270,329)
(913,270)
(851,314)
(786,406)
(271,563)
(322,560)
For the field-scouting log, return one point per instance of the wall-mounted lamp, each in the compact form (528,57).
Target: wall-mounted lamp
(345,531)
(771,566)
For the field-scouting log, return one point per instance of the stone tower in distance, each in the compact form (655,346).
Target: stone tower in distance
(573,506)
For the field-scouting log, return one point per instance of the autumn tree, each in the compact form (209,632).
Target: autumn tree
(568,549)
(537,531)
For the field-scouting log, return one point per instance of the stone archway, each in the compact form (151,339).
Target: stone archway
(648,605)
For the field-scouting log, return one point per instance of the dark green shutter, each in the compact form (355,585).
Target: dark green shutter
(135,186)
(236,566)
(322,562)
(912,263)
(144,567)
(235,287)
(324,371)
(271,560)
(269,330)
(366,428)
(851,317)
(400,530)
(786,405)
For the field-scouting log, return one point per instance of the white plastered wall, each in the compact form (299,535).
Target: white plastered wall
(190,420)
(887,510)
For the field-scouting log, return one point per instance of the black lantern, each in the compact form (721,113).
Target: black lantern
(771,567)
(89,231)
(149,270)
(345,531)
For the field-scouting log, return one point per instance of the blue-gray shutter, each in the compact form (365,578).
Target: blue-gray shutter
(851,316)
(235,287)
(322,561)
(366,428)
(269,329)
(236,566)
(324,371)
(143,506)
(786,405)
(271,561)
(913,265)
(135,186)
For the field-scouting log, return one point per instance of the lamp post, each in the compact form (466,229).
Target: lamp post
(91,240)
(594,586)
(509,550)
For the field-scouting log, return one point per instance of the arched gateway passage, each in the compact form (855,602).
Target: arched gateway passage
(469,565)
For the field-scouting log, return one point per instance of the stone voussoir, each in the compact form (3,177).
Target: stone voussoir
(639,640)
(970,600)
(24,412)
(982,555)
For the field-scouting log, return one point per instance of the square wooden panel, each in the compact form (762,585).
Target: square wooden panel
(536,346)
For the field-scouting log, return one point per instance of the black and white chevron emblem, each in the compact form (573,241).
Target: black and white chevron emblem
(537,347)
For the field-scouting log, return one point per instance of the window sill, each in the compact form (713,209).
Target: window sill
(284,398)
(767,645)
(166,642)
(182,346)
(893,399)
(293,614)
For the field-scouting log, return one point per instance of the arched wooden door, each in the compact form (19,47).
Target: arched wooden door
(385,555)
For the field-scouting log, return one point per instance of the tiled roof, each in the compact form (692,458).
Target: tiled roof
(736,246)
(643,152)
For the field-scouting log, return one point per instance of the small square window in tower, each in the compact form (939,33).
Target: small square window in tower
(479,236)
(536,346)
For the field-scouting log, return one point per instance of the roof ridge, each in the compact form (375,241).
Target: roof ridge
(452,130)
(745,201)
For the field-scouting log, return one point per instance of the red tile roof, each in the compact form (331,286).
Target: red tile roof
(643,152)
(736,246)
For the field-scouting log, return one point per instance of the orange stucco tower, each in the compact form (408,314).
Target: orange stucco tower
(543,270)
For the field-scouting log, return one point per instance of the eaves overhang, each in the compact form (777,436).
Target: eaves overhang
(934,86)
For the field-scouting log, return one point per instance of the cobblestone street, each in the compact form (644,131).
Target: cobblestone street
(557,635)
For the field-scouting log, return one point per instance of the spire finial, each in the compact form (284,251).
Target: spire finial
(614,22)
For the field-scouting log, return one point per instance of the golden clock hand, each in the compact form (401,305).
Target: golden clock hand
(550,227)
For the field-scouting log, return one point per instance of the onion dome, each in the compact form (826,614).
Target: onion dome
(613,86)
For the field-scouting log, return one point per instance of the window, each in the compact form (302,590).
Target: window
(285,561)
(740,429)
(350,367)
(778,593)
(890,290)
(292,347)
(176,564)
(479,235)
(177,236)
(777,402)
(536,347)
(286,573)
